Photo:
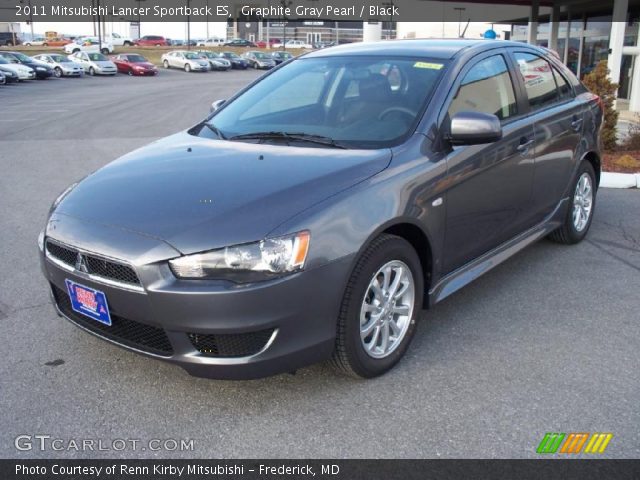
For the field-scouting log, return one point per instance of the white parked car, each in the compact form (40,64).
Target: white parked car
(36,42)
(23,72)
(293,44)
(118,40)
(189,61)
(94,63)
(88,44)
(62,66)
(212,42)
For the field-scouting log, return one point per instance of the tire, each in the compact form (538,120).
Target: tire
(57,72)
(351,356)
(157,45)
(130,72)
(3,80)
(105,51)
(574,230)
(187,67)
(127,44)
(26,44)
(165,64)
(92,72)
(45,44)
(75,50)
(255,65)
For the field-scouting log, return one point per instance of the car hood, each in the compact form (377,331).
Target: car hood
(146,65)
(103,63)
(199,194)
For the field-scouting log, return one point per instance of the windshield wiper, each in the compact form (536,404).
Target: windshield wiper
(297,137)
(215,130)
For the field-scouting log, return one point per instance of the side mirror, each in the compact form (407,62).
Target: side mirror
(216,105)
(474,128)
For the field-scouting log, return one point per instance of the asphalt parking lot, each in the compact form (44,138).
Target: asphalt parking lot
(547,342)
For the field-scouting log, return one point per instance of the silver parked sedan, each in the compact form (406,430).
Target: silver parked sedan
(62,66)
(94,63)
(188,61)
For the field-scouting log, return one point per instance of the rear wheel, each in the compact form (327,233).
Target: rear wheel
(57,72)
(379,309)
(105,51)
(580,212)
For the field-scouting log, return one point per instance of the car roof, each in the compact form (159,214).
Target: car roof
(433,48)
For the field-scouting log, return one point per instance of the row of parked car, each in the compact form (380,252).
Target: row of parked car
(16,66)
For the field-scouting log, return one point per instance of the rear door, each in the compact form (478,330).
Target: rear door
(488,201)
(558,122)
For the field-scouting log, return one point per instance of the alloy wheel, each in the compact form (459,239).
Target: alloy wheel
(387,309)
(582,202)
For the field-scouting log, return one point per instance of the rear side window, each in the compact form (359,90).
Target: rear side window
(539,81)
(564,90)
(486,88)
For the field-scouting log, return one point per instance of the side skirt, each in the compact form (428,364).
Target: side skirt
(466,274)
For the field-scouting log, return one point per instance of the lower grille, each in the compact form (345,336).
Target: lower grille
(124,331)
(231,345)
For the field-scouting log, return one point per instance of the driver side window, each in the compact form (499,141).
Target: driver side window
(486,88)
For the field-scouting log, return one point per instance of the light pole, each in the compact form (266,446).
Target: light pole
(285,4)
(459,10)
(188,26)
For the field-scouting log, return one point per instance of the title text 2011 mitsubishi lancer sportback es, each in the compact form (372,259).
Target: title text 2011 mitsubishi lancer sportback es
(317,212)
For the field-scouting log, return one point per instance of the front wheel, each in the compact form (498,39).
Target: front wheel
(379,309)
(580,212)
(105,51)
(187,67)
(57,72)
(92,71)
(130,72)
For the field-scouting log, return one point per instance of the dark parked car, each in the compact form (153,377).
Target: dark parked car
(239,42)
(237,62)
(316,213)
(41,69)
(9,39)
(134,64)
(280,57)
(9,75)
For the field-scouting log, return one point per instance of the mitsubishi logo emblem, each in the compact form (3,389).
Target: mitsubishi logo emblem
(81,265)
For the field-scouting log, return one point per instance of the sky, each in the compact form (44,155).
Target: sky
(175,30)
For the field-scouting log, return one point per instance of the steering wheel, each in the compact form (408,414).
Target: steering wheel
(404,110)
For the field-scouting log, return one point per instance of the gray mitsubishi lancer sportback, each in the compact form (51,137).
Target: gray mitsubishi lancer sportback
(315,214)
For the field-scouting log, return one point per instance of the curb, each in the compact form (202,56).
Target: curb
(619,180)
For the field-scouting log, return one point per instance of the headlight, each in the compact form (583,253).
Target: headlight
(41,69)
(57,201)
(249,262)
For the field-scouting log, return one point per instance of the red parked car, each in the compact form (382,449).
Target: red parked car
(152,41)
(134,64)
(263,44)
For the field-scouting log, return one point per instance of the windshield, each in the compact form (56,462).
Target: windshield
(230,55)
(361,102)
(60,58)
(260,55)
(136,58)
(22,57)
(3,61)
(97,57)
(191,56)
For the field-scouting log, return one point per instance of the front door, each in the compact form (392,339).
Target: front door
(488,200)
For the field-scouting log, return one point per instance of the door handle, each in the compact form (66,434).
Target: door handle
(577,124)
(524,145)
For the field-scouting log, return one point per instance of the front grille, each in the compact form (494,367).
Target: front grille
(95,265)
(231,345)
(122,330)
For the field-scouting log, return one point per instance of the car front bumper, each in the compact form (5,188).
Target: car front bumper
(215,329)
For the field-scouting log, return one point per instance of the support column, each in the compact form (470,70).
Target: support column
(532,32)
(554,27)
(634,97)
(616,39)
(371,32)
